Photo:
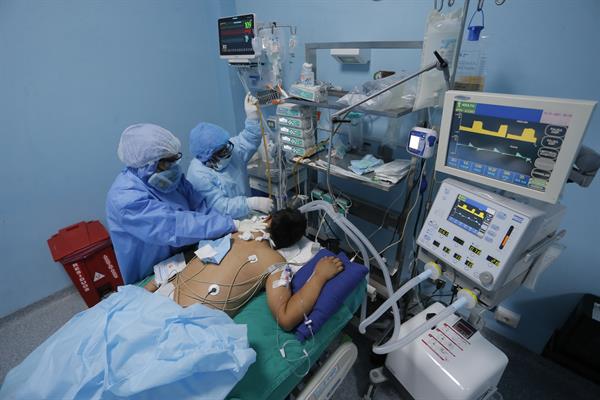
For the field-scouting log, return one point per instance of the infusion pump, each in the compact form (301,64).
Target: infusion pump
(485,238)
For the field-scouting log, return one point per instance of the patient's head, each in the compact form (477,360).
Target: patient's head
(287,226)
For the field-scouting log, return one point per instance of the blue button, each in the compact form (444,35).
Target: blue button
(507,176)
(501,215)
(488,239)
(495,227)
(521,179)
(492,172)
(427,237)
(477,168)
(492,234)
(465,164)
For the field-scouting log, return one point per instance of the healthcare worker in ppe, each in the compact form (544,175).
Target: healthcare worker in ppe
(219,167)
(152,210)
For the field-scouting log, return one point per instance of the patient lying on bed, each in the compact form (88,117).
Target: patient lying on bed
(252,265)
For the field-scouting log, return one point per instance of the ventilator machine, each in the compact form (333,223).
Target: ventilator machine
(487,242)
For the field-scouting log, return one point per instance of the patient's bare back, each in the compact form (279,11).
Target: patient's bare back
(230,284)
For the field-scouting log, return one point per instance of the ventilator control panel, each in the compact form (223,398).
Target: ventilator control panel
(478,233)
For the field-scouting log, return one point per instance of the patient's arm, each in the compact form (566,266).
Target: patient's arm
(288,309)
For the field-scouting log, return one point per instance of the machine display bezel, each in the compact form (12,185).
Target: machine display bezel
(249,55)
(580,112)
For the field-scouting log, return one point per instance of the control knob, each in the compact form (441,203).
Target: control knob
(486,278)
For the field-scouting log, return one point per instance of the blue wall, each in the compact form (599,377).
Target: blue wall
(73,75)
(537,47)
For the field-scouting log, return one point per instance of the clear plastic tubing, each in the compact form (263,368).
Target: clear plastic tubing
(395,344)
(363,245)
(393,299)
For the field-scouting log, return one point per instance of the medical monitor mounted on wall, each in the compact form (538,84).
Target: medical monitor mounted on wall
(236,36)
(521,144)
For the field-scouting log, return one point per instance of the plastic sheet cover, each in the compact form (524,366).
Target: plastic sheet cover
(138,346)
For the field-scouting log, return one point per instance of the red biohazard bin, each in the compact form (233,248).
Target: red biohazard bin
(87,254)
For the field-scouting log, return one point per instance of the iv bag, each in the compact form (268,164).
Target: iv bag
(441,35)
(471,69)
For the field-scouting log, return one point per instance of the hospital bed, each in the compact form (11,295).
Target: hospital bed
(271,376)
(135,344)
(274,377)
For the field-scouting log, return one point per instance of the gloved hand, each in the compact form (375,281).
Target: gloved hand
(248,225)
(262,204)
(250,106)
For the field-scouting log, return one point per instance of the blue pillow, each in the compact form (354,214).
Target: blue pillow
(333,293)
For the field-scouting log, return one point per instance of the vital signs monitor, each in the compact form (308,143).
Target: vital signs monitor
(236,36)
(522,144)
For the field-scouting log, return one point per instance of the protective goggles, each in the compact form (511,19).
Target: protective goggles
(167,162)
(223,152)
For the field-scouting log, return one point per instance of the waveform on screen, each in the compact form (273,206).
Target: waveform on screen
(474,211)
(527,135)
(495,150)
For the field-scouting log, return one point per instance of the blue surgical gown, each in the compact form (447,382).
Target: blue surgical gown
(147,226)
(226,190)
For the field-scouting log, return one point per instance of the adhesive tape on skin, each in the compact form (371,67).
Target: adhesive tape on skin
(279,283)
(245,236)
(252,258)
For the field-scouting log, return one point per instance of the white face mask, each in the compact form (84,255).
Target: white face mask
(221,164)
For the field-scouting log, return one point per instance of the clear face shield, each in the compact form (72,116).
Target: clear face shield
(221,157)
(167,175)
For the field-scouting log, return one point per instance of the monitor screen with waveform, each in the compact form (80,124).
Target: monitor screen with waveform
(471,215)
(509,144)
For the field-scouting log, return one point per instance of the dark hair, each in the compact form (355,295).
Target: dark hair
(287,227)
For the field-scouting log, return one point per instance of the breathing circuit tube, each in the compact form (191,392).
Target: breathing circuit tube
(432,270)
(466,298)
(363,245)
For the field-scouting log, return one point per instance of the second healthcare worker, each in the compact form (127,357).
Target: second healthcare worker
(219,167)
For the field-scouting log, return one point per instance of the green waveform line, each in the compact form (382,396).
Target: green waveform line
(495,150)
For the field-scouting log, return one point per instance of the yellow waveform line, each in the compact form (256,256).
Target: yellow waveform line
(478,128)
(528,134)
(472,211)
